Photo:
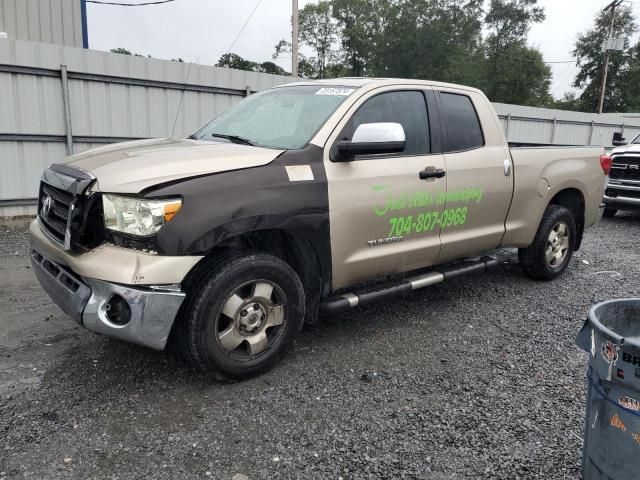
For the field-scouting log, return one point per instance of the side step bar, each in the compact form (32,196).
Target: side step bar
(349,300)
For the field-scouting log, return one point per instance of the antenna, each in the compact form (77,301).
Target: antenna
(184,87)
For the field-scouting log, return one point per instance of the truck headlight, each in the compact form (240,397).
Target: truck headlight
(138,216)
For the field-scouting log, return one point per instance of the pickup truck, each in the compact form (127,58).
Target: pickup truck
(623,185)
(306,198)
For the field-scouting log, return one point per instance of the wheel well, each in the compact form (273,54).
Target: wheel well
(572,199)
(294,249)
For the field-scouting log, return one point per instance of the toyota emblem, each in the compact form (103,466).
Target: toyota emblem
(47,205)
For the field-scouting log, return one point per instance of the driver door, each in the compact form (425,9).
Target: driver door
(384,216)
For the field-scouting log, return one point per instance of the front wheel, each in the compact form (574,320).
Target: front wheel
(552,248)
(242,317)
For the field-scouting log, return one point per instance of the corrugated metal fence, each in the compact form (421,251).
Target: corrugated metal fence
(51,21)
(560,127)
(55,100)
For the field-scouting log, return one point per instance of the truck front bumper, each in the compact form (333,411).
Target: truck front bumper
(622,203)
(146,320)
(138,313)
(623,196)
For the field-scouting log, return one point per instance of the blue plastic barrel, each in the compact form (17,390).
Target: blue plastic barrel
(611,336)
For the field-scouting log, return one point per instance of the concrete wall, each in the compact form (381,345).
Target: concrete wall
(49,21)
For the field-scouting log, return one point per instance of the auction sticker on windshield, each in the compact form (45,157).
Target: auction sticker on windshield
(341,92)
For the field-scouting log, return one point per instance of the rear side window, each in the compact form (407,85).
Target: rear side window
(408,108)
(463,125)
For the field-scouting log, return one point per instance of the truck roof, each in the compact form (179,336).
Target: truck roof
(359,82)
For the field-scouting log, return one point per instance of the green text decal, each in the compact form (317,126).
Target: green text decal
(424,221)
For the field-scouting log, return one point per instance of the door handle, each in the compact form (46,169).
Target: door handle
(426,173)
(507,168)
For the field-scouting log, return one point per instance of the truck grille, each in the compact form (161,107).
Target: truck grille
(53,211)
(625,167)
(61,203)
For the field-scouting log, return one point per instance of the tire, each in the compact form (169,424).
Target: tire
(266,299)
(535,260)
(610,212)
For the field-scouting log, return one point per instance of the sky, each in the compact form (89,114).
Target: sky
(202,30)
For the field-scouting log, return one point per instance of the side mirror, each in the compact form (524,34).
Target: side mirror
(372,139)
(618,141)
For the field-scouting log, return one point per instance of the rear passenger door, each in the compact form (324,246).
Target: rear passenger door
(479,180)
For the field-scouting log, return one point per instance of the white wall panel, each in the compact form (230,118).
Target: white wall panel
(51,21)
(31,102)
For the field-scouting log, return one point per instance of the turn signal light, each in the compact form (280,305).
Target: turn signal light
(605,163)
(170,210)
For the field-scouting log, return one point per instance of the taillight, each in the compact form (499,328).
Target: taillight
(605,163)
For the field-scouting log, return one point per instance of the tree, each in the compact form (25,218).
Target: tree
(306,67)
(270,67)
(631,80)
(121,51)
(569,101)
(233,60)
(362,24)
(319,31)
(590,61)
(516,73)
(436,40)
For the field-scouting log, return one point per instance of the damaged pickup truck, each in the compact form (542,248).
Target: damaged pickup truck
(282,205)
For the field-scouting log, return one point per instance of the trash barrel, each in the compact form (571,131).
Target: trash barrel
(611,336)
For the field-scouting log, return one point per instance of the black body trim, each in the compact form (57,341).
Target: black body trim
(435,129)
(66,290)
(218,208)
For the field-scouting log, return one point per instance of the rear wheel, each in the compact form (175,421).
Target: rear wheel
(242,318)
(552,248)
(610,212)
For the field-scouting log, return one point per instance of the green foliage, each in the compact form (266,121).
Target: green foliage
(319,31)
(622,79)
(429,39)
(516,73)
(233,60)
(632,80)
(121,51)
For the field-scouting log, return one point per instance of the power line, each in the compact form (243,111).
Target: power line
(244,26)
(471,44)
(157,2)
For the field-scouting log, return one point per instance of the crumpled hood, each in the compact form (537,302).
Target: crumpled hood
(130,167)
(632,148)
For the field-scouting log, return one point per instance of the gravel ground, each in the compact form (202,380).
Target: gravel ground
(474,379)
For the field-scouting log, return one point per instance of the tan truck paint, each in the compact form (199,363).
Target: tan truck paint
(482,167)
(352,200)
(133,166)
(486,228)
(562,168)
(114,264)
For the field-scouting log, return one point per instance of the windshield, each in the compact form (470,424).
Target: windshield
(282,118)
(636,141)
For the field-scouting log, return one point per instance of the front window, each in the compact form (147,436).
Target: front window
(636,141)
(282,118)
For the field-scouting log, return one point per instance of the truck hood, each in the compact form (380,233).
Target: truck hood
(631,148)
(131,167)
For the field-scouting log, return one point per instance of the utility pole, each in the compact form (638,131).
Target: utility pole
(612,6)
(294,40)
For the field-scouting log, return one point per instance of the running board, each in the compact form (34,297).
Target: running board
(349,300)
